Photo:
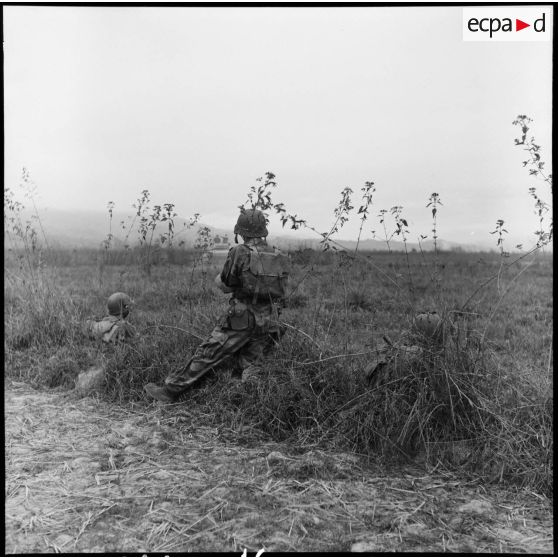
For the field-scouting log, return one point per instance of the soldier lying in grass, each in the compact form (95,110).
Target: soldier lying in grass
(256,275)
(426,336)
(114,327)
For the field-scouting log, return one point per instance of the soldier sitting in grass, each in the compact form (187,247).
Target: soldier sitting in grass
(256,275)
(109,330)
(114,327)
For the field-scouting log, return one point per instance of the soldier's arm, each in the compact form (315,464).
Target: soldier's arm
(221,286)
(230,275)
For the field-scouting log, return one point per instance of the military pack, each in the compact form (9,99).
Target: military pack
(267,274)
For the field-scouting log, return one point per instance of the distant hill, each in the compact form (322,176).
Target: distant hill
(426,246)
(88,229)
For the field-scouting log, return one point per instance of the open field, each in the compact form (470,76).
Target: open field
(397,399)
(471,420)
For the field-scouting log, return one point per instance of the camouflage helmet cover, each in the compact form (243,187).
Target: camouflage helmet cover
(119,304)
(251,223)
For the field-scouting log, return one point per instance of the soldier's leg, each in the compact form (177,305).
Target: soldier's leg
(221,344)
(251,356)
(275,332)
(272,341)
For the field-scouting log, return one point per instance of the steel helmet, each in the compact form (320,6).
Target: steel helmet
(119,304)
(251,223)
(429,325)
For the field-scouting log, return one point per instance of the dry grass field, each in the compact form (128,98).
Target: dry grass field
(452,452)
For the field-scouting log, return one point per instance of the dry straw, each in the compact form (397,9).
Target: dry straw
(84,476)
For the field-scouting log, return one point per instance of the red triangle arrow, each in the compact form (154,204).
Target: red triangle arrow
(519,25)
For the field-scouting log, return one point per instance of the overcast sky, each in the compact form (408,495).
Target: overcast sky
(195,103)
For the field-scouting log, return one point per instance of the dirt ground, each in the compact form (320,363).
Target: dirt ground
(85,476)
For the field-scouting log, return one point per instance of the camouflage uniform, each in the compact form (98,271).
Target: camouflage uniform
(388,357)
(110,329)
(427,335)
(250,326)
(114,327)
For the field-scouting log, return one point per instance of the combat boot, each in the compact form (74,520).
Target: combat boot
(163,393)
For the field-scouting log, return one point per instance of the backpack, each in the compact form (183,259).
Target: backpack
(266,276)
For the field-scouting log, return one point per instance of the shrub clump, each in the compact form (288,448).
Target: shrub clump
(443,403)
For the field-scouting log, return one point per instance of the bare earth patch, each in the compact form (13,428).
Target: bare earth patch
(85,476)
